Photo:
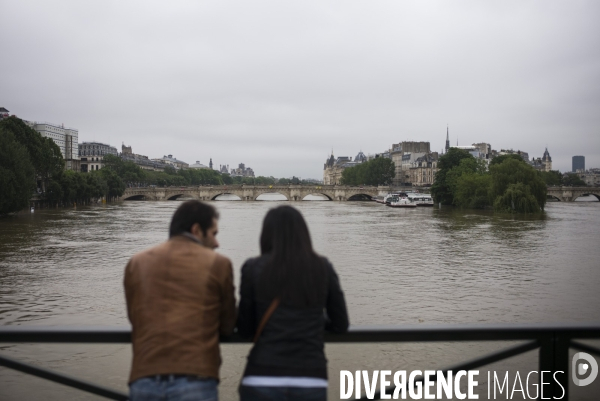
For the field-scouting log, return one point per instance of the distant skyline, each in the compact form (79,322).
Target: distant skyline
(278,85)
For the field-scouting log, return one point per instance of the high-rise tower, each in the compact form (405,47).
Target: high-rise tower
(447,140)
(578,163)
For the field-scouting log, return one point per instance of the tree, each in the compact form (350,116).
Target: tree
(378,171)
(517,198)
(552,178)
(442,190)
(466,166)
(472,191)
(502,158)
(227,180)
(44,154)
(16,174)
(381,171)
(515,183)
(114,185)
(573,180)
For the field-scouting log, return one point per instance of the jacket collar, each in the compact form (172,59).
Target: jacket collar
(189,236)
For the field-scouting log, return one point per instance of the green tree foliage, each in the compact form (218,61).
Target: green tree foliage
(573,180)
(507,175)
(552,178)
(17,180)
(227,180)
(54,193)
(510,185)
(442,188)
(114,184)
(466,166)
(378,171)
(472,191)
(500,159)
(127,170)
(44,154)
(289,181)
(517,198)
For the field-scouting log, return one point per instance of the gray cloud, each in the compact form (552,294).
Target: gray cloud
(276,85)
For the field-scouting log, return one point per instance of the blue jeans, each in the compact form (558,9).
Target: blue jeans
(251,393)
(173,388)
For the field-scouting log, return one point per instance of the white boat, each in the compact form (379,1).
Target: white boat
(387,199)
(401,201)
(421,199)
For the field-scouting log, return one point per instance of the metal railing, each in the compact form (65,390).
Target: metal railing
(552,340)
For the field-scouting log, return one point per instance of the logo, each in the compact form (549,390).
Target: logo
(584,365)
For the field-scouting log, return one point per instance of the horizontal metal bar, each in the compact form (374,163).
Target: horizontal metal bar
(466,332)
(356,334)
(53,334)
(584,347)
(62,379)
(474,363)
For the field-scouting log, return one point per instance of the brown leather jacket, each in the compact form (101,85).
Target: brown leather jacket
(180,297)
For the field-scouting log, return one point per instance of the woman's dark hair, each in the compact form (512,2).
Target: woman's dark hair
(190,213)
(293,272)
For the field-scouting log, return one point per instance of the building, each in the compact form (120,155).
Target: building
(224,169)
(524,155)
(3,113)
(422,171)
(485,150)
(91,155)
(65,138)
(199,165)
(591,177)
(242,171)
(403,154)
(169,160)
(578,163)
(473,151)
(360,157)
(141,161)
(544,163)
(332,169)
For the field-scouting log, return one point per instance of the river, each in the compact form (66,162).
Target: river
(397,266)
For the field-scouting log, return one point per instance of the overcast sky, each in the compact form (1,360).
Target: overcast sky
(278,84)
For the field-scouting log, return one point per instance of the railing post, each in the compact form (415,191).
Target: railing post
(561,364)
(554,362)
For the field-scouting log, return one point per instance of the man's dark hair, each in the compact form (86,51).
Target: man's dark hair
(190,213)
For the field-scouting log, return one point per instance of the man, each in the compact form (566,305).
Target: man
(180,298)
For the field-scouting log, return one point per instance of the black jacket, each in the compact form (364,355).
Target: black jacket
(291,343)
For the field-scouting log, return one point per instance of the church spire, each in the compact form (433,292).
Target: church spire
(447,139)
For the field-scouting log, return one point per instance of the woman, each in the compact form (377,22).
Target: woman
(284,293)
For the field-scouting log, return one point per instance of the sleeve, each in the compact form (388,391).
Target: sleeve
(227,315)
(337,314)
(246,323)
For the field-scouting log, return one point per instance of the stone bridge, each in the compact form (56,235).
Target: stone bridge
(252,192)
(569,194)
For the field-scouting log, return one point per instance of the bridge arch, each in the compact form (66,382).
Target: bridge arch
(270,193)
(588,194)
(360,197)
(214,197)
(553,198)
(327,197)
(135,198)
(175,197)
